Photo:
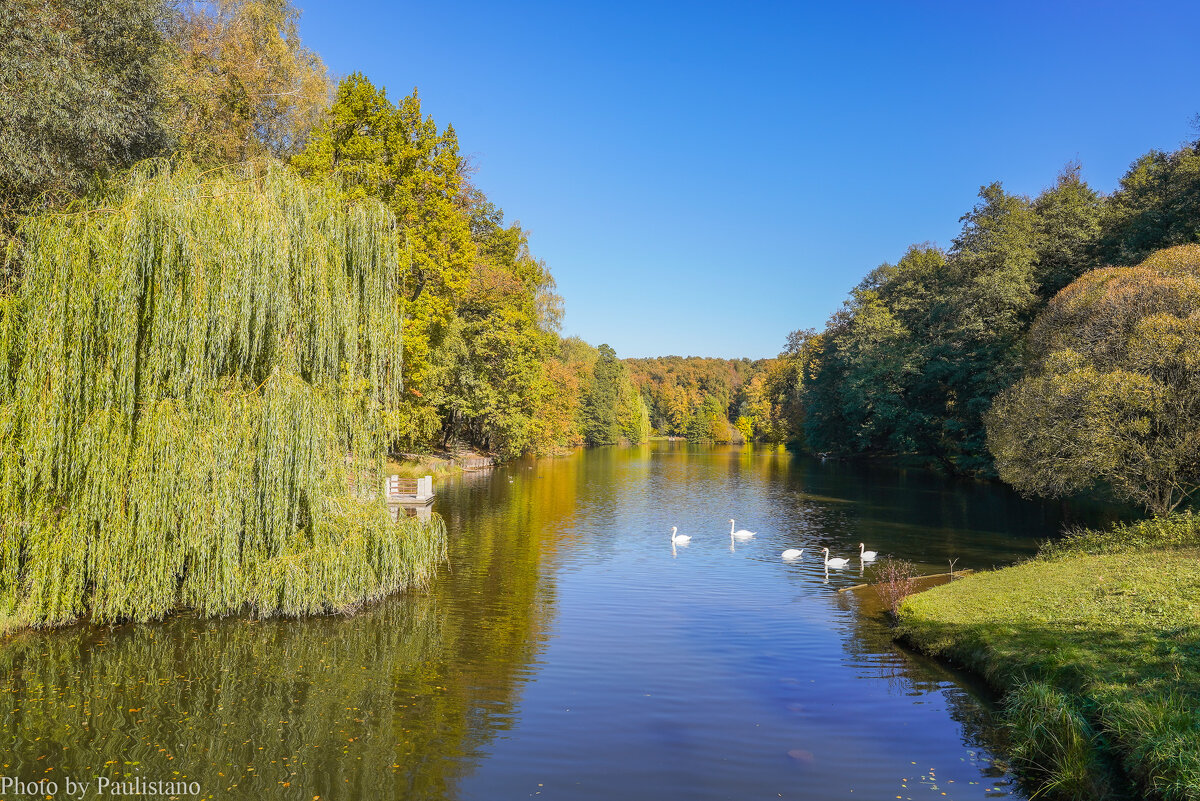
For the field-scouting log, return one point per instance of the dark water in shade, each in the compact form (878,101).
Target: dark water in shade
(566,652)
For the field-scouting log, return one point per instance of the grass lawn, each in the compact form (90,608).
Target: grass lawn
(1096,644)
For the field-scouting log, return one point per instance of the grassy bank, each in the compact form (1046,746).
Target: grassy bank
(422,466)
(1096,645)
(440,464)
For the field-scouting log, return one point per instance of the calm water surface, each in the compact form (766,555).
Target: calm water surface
(566,652)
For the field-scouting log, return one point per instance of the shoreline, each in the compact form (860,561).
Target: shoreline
(1094,647)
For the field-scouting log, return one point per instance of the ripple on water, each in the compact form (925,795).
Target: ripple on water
(565,651)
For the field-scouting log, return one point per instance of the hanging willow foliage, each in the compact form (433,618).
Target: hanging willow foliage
(195,374)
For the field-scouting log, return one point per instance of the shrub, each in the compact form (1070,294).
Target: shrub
(1173,531)
(894,581)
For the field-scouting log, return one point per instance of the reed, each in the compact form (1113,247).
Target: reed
(195,370)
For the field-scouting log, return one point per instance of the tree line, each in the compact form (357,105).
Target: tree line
(716,400)
(914,363)
(1053,343)
(228,290)
(89,89)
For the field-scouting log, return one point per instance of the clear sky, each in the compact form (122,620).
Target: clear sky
(703,178)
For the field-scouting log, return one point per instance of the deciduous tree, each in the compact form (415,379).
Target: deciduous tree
(194,380)
(241,83)
(396,154)
(1157,206)
(81,82)
(1112,397)
(599,411)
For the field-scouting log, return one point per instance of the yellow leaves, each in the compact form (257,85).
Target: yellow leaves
(1097,313)
(241,85)
(1184,260)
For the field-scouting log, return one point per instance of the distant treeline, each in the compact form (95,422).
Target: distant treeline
(718,400)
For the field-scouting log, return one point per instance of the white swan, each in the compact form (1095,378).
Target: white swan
(836,561)
(679,539)
(792,553)
(740,534)
(866,556)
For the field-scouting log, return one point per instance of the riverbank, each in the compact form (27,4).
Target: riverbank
(375,556)
(440,464)
(1095,644)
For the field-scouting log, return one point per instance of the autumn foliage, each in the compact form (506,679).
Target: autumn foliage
(1112,395)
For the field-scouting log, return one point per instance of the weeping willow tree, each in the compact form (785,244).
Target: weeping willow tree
(196,374)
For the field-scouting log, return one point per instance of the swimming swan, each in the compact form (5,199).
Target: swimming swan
(866,556)
(792,553)
(679,539)
(835,562)
(740,534)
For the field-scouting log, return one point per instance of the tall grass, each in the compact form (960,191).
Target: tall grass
(1053,742)
(195,368)
(1180,530)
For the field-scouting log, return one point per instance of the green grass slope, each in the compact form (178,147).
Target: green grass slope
(1096,644)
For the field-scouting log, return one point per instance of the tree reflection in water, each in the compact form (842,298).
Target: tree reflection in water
(871,650)
(397,701)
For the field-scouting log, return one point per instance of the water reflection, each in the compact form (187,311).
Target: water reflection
(398,701)
(871,654)
(564,651)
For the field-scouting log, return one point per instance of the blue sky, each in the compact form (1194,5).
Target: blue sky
(704,178)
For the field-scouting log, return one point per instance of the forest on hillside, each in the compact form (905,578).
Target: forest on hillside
(715,400)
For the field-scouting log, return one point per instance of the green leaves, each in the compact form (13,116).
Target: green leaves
(198,406)
(80,84)
(1112,396)
(480,312)
(1157,206)
(1068,226)
(913,361)
(600,425)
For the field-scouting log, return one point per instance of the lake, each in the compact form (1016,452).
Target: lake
(567,651)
